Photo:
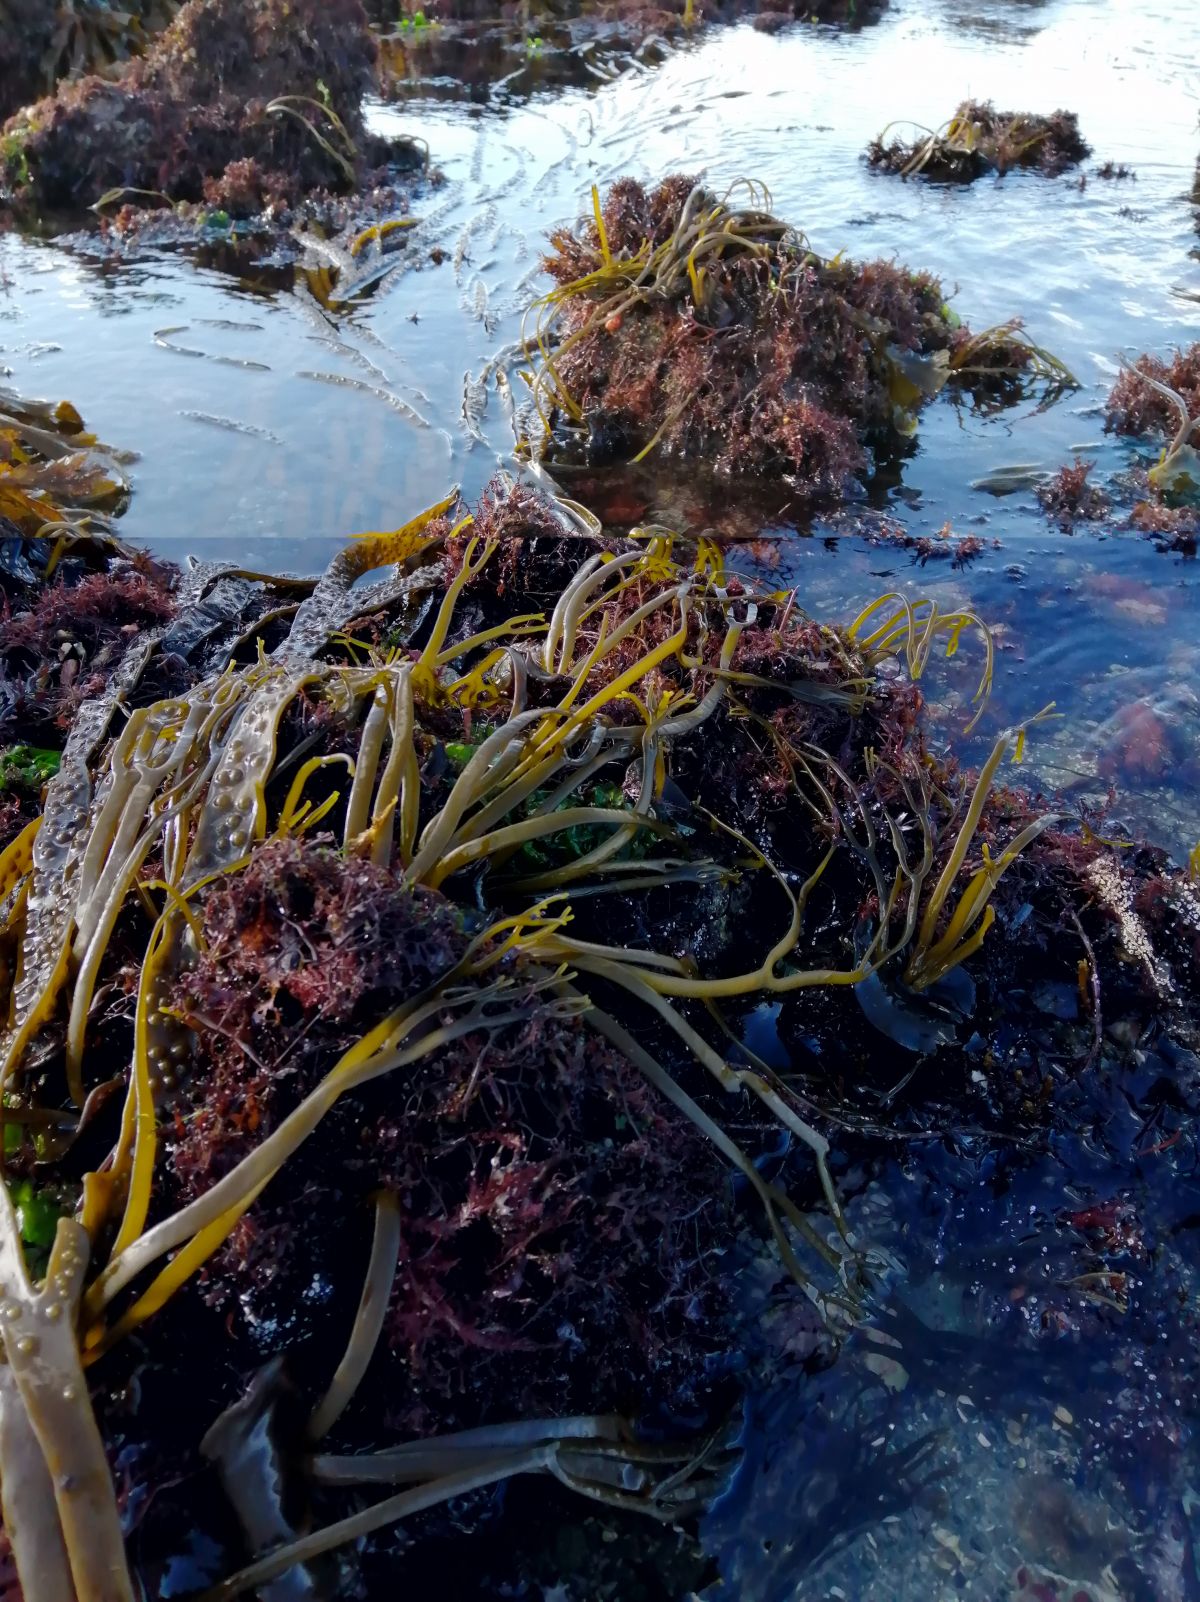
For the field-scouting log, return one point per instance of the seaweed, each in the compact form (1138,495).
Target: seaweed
(1138,402)
(1157,397)
(1177,528)
(978,140)
(40,43)
(73,597)
(236,105)
(1069,497)
(554,41)
(704,328)
(293,897)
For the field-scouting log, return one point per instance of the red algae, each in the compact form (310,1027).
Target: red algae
(1176,527)
(237,103)
(543,1185)
(769,362)
(1070,497)
(979,140)
(1135,406)
(68,644)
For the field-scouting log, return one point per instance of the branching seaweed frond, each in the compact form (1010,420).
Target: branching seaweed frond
(707,229)
(519,772)
(914,627)
(933,954)
(1006,350)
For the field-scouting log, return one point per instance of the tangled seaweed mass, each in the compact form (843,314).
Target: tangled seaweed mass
(374,942)
(978,140)
(238,106)
(40,43)
(706,329)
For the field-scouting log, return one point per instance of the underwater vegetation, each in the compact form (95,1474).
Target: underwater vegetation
(1156,399)
(388,956)
(704,329)
(237,105)
(978,140)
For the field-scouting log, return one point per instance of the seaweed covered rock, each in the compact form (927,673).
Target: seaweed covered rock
(708,330)
(66,646)
(474,41)
(554,1215)
(463,898)
(978,140)
(73,598)
(26,33)
(275,83)
(42,41)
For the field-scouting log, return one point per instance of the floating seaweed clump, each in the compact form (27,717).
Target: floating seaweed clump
(1070,497)
(978,140)
(234,104)
(708,330)
(408,901)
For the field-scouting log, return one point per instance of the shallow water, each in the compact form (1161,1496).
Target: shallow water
(273,441)
(267,438)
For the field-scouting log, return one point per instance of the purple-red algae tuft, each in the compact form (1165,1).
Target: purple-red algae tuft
(237,104)
(1070,497)
(978,140)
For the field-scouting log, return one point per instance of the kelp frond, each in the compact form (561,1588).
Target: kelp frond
(933,954)
(914,627)
(1007,351)
(556,798)
(707,229)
